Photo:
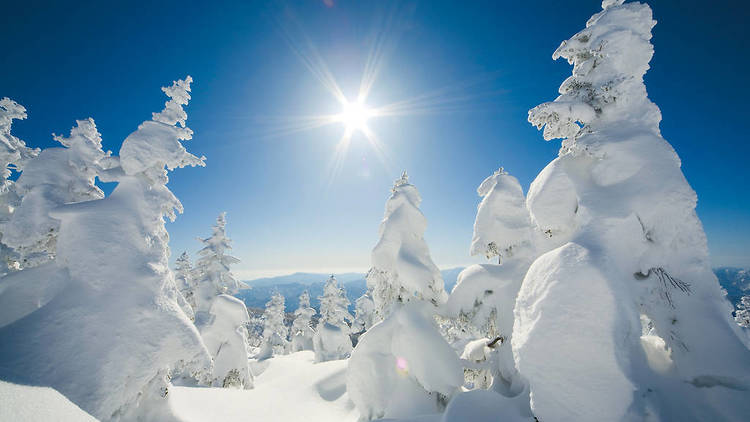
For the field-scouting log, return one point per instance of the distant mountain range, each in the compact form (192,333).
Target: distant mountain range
(736,281)
(292,285)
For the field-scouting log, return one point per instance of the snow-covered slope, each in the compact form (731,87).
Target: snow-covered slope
(23,403)
(292,388)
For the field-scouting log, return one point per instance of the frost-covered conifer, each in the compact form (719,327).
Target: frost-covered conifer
(118,295)
(484,297)
(55,177)
(221,318)
(364,313)
(630,254)
(13,155)
(184,278)
(406,289)
(402,269)
(183,272)
(331,339)
(302,331)
(742,314)
(502,227)
(213,275)
(274,330)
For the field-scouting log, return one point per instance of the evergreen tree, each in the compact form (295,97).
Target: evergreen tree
(184,275)
(55,177)
(502,227)
(13,156)
(742,314)
(214,276)
(331,339)
(120,290)
(221,318)
(628,251)
(302,330)
(402,269)
(274,330)
(481,304)
(364,313)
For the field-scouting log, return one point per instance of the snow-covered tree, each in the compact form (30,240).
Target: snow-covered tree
(302,331)
(275,332)
(55,177)
(742,314)
(183,274)
(213,274)
(184,279)
(629,253)
(402,367)
(331,340)
(402,269)
(118,296)
(502,227)
(407,289)
(364,313)
(221,318)
(481,304)
(13,155)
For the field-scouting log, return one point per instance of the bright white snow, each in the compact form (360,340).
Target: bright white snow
(23,403)
(292,388)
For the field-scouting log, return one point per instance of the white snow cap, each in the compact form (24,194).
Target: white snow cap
(502,226)
(13,151)
(156,144)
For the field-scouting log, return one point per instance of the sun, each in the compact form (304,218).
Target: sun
(354,116)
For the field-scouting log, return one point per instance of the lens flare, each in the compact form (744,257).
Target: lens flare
(402,366)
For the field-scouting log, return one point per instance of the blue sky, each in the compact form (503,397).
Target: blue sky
(489,62)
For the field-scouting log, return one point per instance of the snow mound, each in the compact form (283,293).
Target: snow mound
(331,342)
(225,338)
(569,368)
(402,367)
(292,388)
(23,403)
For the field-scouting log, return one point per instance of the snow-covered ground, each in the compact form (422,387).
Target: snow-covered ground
(23,403)
(291,388)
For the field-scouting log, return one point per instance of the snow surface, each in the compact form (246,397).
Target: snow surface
(402,366)
(223,332)
(23,403)
(292,388)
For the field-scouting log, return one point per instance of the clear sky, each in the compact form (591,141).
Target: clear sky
(469,72)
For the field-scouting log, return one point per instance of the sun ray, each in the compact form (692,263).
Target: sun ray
(384,37)
(302,46)
(356,114)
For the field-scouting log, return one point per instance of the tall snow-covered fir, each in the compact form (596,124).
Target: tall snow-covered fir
(483,299)
(221,318)
(628,266)
(184,277)
(407,289)
(331,340)
(402,269)
(275,332)
(213,275)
